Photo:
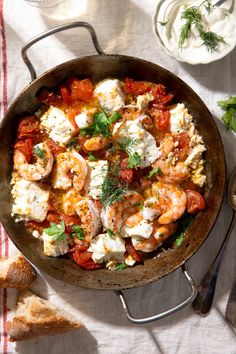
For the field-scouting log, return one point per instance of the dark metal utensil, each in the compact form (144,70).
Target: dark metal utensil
(206,290)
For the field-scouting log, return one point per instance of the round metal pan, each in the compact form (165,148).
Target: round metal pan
(98,67)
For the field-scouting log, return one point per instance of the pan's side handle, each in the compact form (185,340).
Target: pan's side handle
(55,30)
(144,320)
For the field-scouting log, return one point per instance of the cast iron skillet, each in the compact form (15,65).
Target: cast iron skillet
(99,67)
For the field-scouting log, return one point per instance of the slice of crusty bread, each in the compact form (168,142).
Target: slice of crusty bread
(16,272)
(38,317)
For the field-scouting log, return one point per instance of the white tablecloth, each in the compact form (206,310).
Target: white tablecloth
(124,27)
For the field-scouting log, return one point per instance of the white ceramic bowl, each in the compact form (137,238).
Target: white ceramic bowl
(161,14)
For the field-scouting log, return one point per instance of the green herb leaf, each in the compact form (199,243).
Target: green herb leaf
(112,190)
(91,157)
(110,232)
(121,266)
(72,142)
(138,204)
(78,232)
(115,117)
(154,171)
(229,118)
(39,152)
(57,231)
(184,223)
(134,160)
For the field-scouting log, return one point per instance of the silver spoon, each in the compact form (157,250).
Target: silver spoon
(206,290)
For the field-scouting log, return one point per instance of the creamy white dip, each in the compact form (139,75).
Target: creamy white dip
(219,21)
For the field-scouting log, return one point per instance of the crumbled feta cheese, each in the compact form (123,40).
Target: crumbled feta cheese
(57,124)
(105,249)
(180,119)
(194,156)
(54,248)
(30,200)
(110,95)
(143,228)
(84,119)
(129,261)
(143,142)
(97,171)
(36,234)
(143,100)
(198,176)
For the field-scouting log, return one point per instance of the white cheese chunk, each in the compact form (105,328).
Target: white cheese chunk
(143,100)
(143,229)
(143,142)
(97,171)
(54,248)
(129,261)
(180,119)
(84,119)
(110,95)
(30,200)
(58,126)
(106,249)
(195,156)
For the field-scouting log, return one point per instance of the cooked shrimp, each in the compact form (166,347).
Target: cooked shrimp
(159,235)
(153,207)
(38,170)
(115,214)
(70,171)
(173,200)
(96,143)
(172,174)
(69,199)
(167,145)
(134,219)
(90,217)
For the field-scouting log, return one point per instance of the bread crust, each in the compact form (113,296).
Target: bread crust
(38,317)
(16,272)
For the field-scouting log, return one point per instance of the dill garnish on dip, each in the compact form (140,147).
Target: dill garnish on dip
(196,31)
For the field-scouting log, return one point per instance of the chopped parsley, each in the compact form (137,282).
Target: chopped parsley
(72,142)
(110,232)
(184,223)
(121,266)
(134,160)
(101,124)
(39,152)
(78,232)
(56,231)
(138,204)
(229,117)
(154,171)
(91,157)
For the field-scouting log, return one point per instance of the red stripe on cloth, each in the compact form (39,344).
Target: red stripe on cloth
(3,233)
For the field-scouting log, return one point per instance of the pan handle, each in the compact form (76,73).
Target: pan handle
(52,31)
(174,309)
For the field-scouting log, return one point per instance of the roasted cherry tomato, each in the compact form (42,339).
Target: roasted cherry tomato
(125,173)
(183,140)
(195,202)
(132,252)
(81,90)
(160,95)
(28,128)
(26,147)
(85,261)
(65,95)
(49,98)
(137,87)
(162,119)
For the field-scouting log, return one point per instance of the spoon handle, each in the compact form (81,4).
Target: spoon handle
(206,290)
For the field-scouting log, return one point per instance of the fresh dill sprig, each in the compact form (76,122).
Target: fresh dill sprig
(126,144)
(112,189)
(192,16)
(211,40)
